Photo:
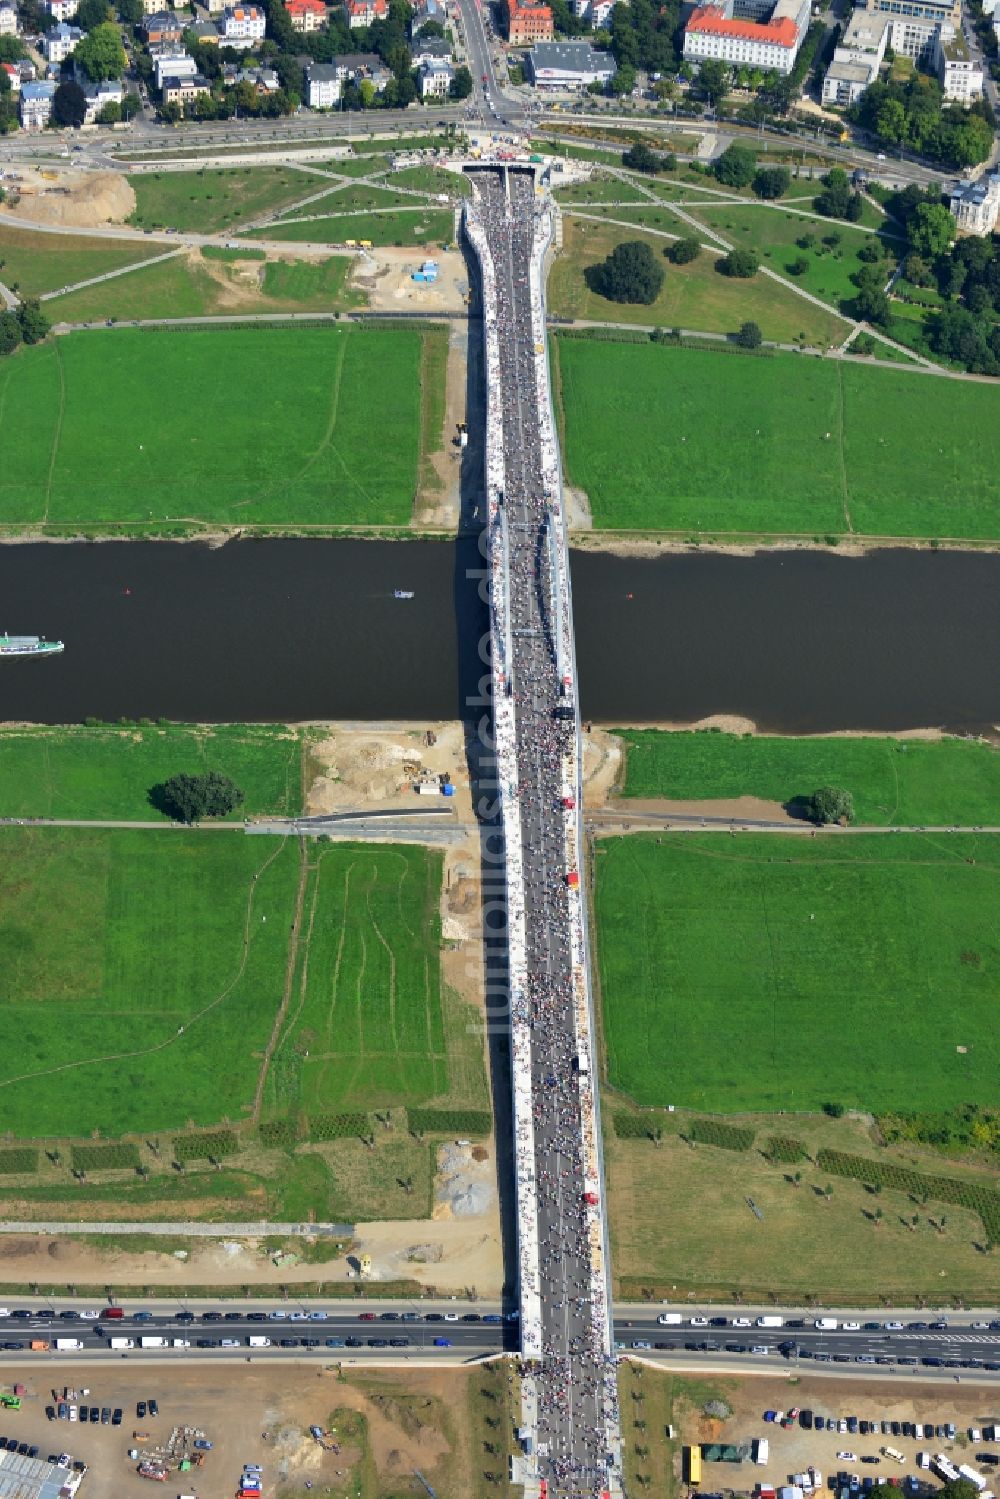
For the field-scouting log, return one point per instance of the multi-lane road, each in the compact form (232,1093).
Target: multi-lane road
(967,1346)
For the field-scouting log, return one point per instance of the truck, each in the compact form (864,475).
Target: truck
(180,1342)
(154,1343)
(770,1321)
(68,1345)
(39,1345)
(10,1402)
(121,1342)
(761,1450)
(973,1477)
(258,1342)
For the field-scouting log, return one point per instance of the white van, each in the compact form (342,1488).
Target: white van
(670,1319)
(825,1324)
(258,1342)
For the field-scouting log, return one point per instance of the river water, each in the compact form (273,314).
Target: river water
(289,630)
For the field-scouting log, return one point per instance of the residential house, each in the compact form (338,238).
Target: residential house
(527,23)
(36,104)
(13,76)
(427,10)
(961,77)
(8,19)
(306,15)
(241,26)
(569,65)
(206,31)
(430,49)
(164,26)
(435,79)
(264,80)
(61,10)
(597,12)
(108,91)
(183,90)
(60,41)
(975,206)
(211,8)
(323,85)
(364,12)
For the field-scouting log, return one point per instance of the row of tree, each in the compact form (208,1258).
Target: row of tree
(24,324)
(911,114)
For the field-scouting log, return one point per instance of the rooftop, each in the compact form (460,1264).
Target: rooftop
(955,48)
(569,55)
(707,20)
(851,72)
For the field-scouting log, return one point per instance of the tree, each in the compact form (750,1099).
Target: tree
(917,271)
(798,266)
(431,28)
(461,84)
(771,182)
(631,273)
(12,49)
(830,804)
(639,158)
(931,230)
(749,336)
(69,103)
(624,81)
(714,79)
(833,202)
(101,54)
(130,12)
(736,166)
(91,13)
(871,253)
(188,798)
(10,332)
(741,264)
(685,250)
(33,323)
(110,113)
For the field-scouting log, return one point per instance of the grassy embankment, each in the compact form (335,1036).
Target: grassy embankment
(304,460)
(818,464)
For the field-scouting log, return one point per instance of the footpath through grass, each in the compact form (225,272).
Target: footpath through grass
(92,438)
(36,262)
(806,447)
(107,771)
(755,973)
(436,226)
(213,199)
(897,782)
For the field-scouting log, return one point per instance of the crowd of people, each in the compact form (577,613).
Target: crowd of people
(569,1360)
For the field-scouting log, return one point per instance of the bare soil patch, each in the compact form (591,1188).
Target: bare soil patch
(81,200)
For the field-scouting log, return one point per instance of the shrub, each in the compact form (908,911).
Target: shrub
(771,182)
(450,1121)
(715,1132)
(339,1126)
(798,266)
(749,336)
(785,1149)
(112,1157)
(19,1159)
(977,1197)
(685,250)
(631,1126)
(280,1132)
(214,1143)
(739,263)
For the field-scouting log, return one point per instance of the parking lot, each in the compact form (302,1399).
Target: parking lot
(795,1448)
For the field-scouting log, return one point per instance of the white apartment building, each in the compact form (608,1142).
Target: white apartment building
(8,20)
(241,26)
(36,104)
(323,85)
(710,33)
(60,41)
(435,79)
(173,62)
(61,10)
(961,78)
(857,59)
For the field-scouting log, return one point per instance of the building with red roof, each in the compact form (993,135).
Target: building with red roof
(713,32)
(364,12)
(306,15)
(527,23)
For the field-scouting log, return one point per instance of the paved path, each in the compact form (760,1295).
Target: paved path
(256,1229)
(123,270)
(678,822)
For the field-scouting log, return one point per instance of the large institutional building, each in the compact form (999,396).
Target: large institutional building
(715,32)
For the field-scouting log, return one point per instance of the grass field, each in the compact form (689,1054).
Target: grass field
(352,198)
(820,462)
(201,284)
(89,438)
(796,1249)
(894,782)
(743,975)
(144,973)
(773,234)
(140,975)
(429,179)
(436,226)
(693,296)
(212,199)
(35,262)
(107,772)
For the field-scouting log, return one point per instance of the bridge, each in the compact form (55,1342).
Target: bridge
(570,1421)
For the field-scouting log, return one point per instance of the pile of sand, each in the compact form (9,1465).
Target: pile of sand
(73,199)
(466,1187)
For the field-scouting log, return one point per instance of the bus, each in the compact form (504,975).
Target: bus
(693,1464)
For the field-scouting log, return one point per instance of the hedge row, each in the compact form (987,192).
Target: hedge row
(20,1159)
(450,1121)
(714,1132)
(963,1194)
(112,1157)
(784,1148)
(216,1143)
(338,1126)
(634,1126)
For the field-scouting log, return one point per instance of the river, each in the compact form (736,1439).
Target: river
(290,630)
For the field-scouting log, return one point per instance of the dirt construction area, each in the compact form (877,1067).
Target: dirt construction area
(792,1450)
(377,1426)
(386,275)
(70,199)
